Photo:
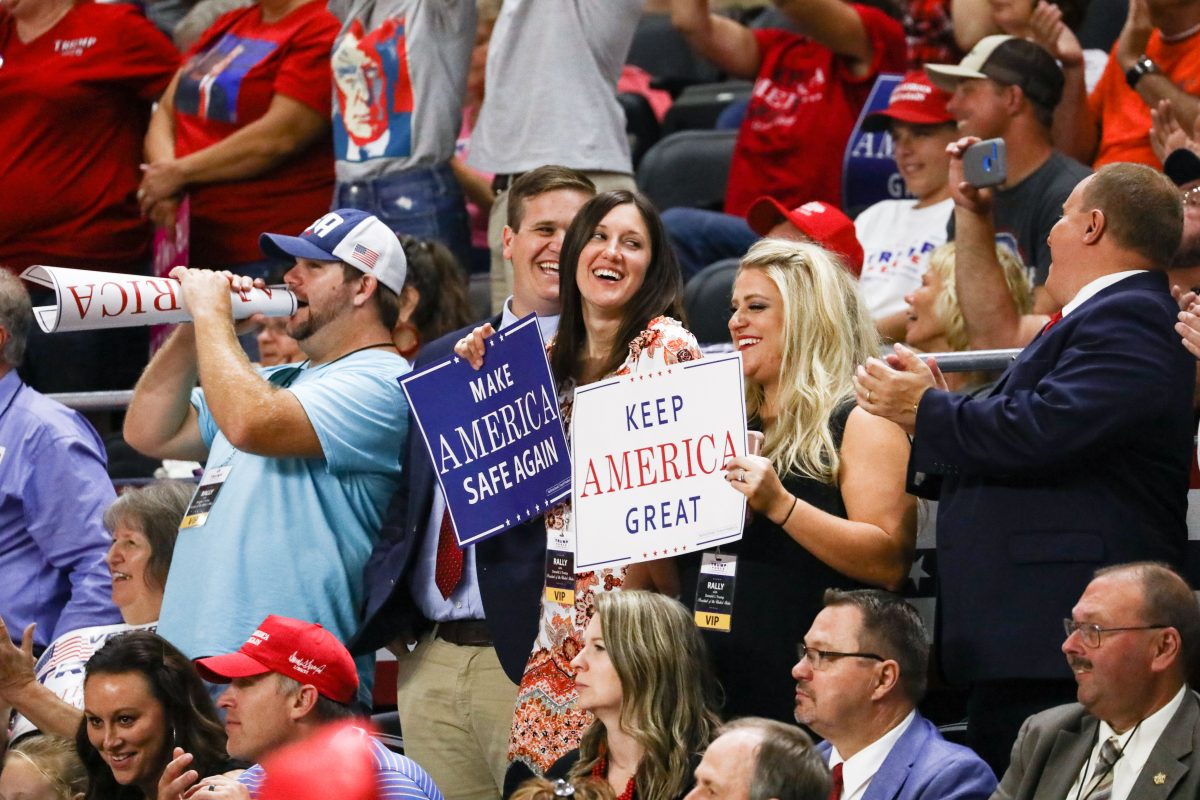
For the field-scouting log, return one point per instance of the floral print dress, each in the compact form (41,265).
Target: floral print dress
(548,724)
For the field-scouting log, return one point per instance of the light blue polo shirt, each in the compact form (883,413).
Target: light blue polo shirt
(291,536)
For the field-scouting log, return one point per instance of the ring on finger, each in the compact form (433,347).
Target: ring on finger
(742,476)
(869,396)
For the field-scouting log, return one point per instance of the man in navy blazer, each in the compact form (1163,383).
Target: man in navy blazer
(461,644)
(1079,458)
(860,676)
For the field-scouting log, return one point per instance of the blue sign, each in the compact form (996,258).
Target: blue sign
(494,436)
(869,172)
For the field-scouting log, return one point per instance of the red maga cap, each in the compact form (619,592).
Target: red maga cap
(303,651)
(824,224)
(914,100)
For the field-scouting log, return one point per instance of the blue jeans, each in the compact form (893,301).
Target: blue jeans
(701,237)
(426,203)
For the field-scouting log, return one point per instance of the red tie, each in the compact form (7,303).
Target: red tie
(448,571)
(1055,317)
(835,790)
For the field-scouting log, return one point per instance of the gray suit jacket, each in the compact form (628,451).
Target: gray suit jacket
(1052,746)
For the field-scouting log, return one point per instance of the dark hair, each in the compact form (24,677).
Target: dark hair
(786,765)
(1166,600)
(1044,115)
(188,711)
(893,628)
(387,300)
(1142,208)
(155,510)
(550,178)
(441,286)
(661,292)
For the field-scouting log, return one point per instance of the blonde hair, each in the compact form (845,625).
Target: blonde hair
(827,332)
(666,689)
(579,789)
(56,760)
(949,313)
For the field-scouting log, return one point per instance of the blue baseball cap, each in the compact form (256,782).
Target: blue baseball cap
(348,235)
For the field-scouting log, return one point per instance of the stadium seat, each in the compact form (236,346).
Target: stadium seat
(706,301)
(698,107)
(688,168)
(641,126)
(386,728)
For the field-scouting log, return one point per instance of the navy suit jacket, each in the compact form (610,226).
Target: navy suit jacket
(1078,459)
(924,766)
(510,567)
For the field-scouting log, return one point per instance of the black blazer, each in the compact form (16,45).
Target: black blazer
(510,566)
(1078,459)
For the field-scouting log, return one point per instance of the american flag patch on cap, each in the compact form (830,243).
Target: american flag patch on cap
(366,255)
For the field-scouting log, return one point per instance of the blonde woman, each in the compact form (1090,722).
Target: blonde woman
(827,493)
(43,768)
(643,675)
(935,319)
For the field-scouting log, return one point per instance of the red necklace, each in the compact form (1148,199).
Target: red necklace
(600,773)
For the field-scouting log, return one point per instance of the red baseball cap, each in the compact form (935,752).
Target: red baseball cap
(914,100)
(303,651)
(824,224)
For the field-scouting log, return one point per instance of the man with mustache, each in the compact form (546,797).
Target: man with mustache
(1135,732)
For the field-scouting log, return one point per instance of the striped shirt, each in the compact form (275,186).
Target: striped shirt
(399,778)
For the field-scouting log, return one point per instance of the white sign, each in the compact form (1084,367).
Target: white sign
(87,300)
(647,455)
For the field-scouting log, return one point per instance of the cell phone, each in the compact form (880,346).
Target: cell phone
(985,164)
(754,441)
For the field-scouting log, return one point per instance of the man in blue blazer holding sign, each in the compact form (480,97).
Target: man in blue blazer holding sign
(861,673)
(1078,459)
(462,621)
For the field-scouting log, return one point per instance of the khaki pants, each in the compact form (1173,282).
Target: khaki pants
(456,706)
(501,271)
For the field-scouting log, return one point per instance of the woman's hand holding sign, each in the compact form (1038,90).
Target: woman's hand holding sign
(755,477)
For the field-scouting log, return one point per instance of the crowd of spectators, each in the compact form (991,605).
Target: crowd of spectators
(220,634)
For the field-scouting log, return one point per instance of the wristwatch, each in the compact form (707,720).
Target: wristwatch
(1142,67)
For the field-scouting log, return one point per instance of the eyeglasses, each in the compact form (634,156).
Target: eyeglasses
(1192,196)
(1090,632)
(817,658)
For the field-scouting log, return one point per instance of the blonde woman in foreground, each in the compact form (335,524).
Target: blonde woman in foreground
(827,492)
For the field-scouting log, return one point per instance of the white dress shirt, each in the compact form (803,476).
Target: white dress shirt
(860,768)
(1135,745)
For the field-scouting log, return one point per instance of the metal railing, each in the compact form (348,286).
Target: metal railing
(966,361)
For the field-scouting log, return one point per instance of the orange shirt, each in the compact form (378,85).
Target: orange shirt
(1124,117)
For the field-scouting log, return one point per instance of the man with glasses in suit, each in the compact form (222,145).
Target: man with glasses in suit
(860,676)
(1135,732)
